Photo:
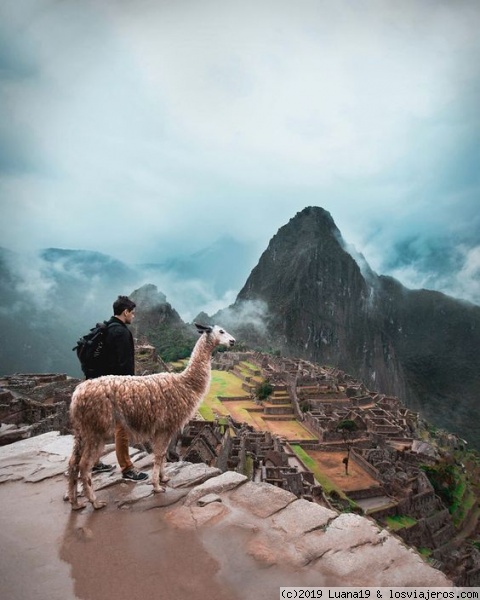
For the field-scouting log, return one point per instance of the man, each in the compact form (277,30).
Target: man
(119,355)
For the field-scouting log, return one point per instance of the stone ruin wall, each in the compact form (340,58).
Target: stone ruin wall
(365,465)
(32,404)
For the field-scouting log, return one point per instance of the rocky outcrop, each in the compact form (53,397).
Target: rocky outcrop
(242,526)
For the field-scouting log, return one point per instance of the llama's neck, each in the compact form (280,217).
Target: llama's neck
(197,374)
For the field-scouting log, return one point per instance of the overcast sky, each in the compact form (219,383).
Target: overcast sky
(147,129)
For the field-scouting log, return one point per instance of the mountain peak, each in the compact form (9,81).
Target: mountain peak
(312,221)
(148,296)
(316,213)
(305,252)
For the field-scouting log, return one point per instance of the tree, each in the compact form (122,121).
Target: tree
(264,390)
(347,427)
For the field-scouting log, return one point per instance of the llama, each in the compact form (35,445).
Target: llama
(151,407)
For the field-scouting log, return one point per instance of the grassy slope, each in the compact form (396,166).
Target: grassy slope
(225,384)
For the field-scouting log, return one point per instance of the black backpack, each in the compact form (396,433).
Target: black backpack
(90,351)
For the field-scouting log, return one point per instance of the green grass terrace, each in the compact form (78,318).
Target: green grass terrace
(226,397)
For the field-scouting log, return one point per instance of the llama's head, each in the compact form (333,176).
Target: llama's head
(217,334)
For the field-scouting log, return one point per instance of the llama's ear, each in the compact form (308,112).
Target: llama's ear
(203,328)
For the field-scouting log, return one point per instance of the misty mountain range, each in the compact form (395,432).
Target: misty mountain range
(308,296)
(49,299)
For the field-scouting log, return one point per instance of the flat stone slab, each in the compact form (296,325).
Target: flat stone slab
(261,499)
(45,472)
(148,499)
(189,475)
(194,517)
(31,466)
(216,485)
(62,446)
(24,462)
(301,517)
(355,547)
(349,547)
(34,444)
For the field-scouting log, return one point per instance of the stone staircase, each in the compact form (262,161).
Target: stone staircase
(250,375)
(278,406)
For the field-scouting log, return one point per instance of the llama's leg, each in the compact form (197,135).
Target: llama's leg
(72,491)
(160,446)
(90,456)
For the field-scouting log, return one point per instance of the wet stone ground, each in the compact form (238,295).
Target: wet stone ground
(209,536)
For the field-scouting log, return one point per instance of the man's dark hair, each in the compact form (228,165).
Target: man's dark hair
(123,303)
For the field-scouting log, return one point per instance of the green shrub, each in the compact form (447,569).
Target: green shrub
(264,390)
(444,482)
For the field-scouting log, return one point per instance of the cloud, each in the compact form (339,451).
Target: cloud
(148,130)
(247,319)
(298,86)
(28,282)
(468,279)
(189,296)
(461,280)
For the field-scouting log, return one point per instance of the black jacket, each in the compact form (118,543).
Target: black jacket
(119,349)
